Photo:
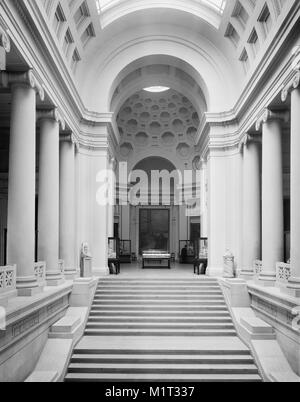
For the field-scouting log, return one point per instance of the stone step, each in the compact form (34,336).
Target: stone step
(160,296)
(159,314)
(169,326)
(186,320)
(147,293)
(134,287)
(156,378)
(161,359)
(159,280)
(153,302)
(162,368)
(164,308)
(160,332)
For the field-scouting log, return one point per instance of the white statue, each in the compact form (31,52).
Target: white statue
(228,265)
(85,261)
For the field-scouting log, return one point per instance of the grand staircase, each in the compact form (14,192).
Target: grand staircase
(160,330)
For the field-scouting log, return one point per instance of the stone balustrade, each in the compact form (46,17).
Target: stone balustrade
(283,274)
(61,266)
(40,272)
(8,279)
(257,268)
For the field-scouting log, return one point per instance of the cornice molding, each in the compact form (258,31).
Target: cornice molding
(28,78)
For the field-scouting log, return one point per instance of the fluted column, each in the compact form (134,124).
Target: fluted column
(21,181)
(294,87)
(4,48)
(251,205)
(272,195)
(67,206)
(48,213)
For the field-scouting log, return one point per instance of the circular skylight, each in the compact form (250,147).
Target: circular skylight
(156,89)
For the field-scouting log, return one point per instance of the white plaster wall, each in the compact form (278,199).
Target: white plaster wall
(93,217)
(225,207)
(216,211)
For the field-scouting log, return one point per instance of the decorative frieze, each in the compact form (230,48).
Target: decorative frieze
(26,324)
(10,79)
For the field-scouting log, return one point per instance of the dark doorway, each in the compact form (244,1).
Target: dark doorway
(154,229)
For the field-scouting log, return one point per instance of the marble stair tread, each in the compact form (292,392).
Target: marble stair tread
(153,320)
(161,332)
(77,377)
(162,343)
(164,358)
(204,310)
(184,325)
(160,368)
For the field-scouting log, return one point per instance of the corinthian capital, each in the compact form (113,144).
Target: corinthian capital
(268,115)
(4,40)
(52,114)
(28,78)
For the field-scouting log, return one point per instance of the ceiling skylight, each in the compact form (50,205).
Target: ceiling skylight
(156,89)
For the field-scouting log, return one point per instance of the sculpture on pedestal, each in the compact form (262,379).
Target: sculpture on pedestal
(85,261)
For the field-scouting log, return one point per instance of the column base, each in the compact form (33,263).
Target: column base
(292,288)
(215,271)
(54,278)
(98,272)
(246,275)
(71,274)
(266,279)
(28,286)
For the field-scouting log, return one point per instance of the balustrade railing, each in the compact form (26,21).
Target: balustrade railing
(8,276)
(40,272)
(61,266)
(283,273)
(257,268)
